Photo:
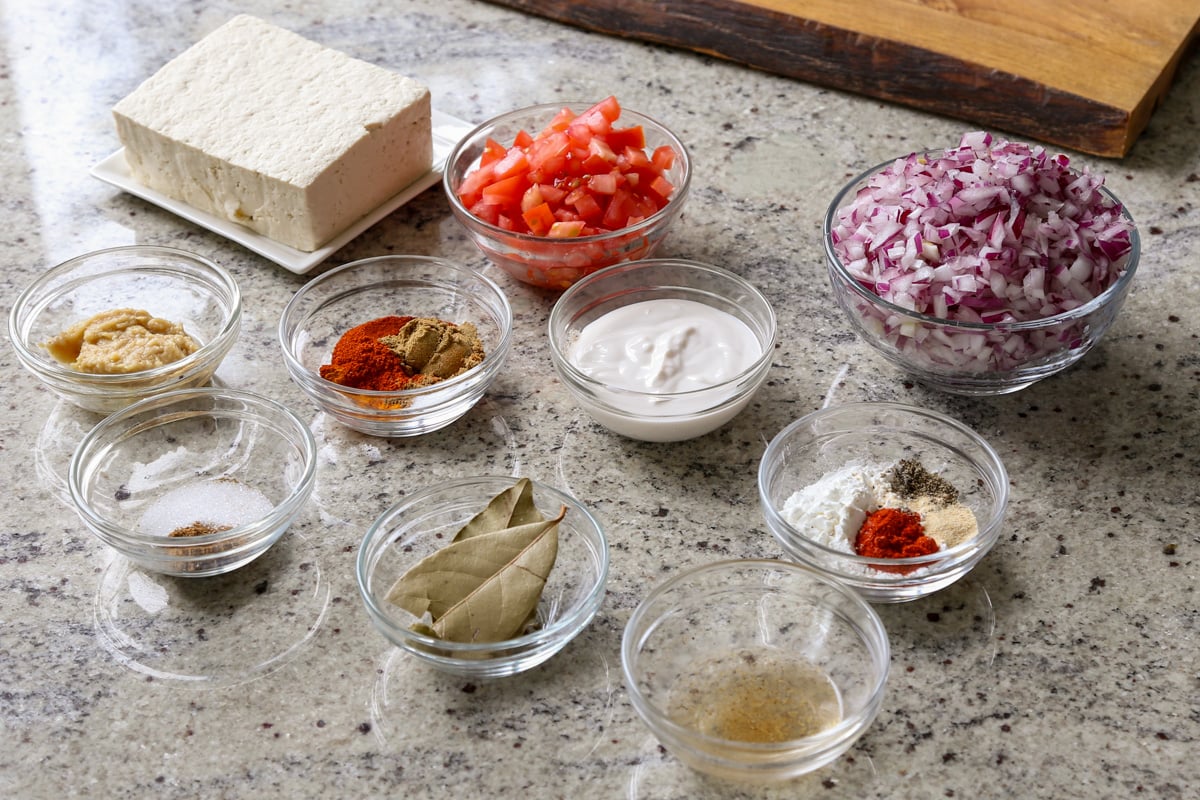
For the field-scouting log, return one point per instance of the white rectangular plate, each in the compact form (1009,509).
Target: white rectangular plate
(447,131)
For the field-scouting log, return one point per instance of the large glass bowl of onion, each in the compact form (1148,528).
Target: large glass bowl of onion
(982,268)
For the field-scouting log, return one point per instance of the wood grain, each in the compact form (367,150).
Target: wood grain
(1083,74)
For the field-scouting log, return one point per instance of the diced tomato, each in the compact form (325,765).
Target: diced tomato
(616,216)
(540,219)
(588,207)
(506,192)
(660,186)
(593,163)
(492,151)
(580,132)
(551,193)
(608,109)
(603,184)
(515,162)
(486,212)
(471,189)
(560,122)
(620,138)
(663,158)
(532,197)
(563,230)
(580,175)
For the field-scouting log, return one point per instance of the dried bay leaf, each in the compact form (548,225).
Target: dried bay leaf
(485,585)
(512,507)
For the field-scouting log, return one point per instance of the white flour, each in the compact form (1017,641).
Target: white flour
(831,511)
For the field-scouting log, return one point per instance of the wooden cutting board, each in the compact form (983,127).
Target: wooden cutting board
(1083,74)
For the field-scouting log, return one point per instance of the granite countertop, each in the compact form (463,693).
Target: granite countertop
(1065,665)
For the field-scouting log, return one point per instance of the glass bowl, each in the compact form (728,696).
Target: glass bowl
(427,520)
(755,670)
(971,358)
(194,482)
(168,283)
(662,417)
(881,434)
(403,285)
(554,263)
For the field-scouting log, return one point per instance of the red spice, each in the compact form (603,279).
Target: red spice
(893,533)
(361,361)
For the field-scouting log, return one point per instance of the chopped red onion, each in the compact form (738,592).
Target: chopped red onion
(989,231)
(985,225)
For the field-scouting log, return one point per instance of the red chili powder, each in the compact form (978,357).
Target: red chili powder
(361,361)
(893,533)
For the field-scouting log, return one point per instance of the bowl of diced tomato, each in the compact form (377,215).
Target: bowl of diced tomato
(551,194)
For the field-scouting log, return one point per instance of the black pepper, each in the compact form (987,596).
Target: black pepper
(910,478)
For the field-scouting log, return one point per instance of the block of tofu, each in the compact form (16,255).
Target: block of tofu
(260,126)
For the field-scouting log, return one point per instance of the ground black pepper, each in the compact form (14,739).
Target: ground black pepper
(910,478)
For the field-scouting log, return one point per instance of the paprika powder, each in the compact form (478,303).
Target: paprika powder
(361,361)
(392,354)
(893,533)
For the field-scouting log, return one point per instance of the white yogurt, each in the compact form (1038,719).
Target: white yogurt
(656,357)
(665,346)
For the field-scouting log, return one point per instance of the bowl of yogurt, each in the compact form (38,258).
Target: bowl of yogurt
(895,501)
(662,350)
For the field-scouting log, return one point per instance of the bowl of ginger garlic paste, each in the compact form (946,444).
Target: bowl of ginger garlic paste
(112,327)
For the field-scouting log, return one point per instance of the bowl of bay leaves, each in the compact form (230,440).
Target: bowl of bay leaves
(483,576)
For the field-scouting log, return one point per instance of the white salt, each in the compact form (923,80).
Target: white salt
(217,503)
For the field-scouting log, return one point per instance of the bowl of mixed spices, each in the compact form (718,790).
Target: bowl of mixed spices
(396,345)
(111,327)
(758,670)
(194,482)
(894,500)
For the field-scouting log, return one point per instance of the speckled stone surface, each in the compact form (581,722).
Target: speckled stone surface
(1065,665)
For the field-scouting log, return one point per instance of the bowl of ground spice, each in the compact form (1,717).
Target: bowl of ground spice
(755,670)
(194,482)
(396,345)
(111,327)
(893,500)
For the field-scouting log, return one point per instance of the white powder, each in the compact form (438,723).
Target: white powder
(215,502)
(831,511)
